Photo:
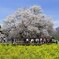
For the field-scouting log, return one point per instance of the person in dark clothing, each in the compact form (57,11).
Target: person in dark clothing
(24,40)
(12,40)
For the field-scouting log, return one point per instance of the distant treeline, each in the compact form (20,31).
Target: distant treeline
(56,36)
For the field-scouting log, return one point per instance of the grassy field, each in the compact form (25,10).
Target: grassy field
(45,51)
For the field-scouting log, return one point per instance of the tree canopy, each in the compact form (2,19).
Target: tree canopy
(28,22)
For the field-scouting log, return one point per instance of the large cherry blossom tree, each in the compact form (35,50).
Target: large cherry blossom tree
(28,22)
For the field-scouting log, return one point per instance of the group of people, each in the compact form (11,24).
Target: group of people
(40,40)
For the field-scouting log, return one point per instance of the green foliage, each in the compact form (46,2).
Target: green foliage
(45,51)
(56,36)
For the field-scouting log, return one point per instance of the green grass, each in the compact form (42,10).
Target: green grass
(45,51)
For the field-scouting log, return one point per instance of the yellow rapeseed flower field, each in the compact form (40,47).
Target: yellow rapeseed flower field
(44,51)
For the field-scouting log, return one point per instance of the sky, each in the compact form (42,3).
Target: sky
(50,8)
